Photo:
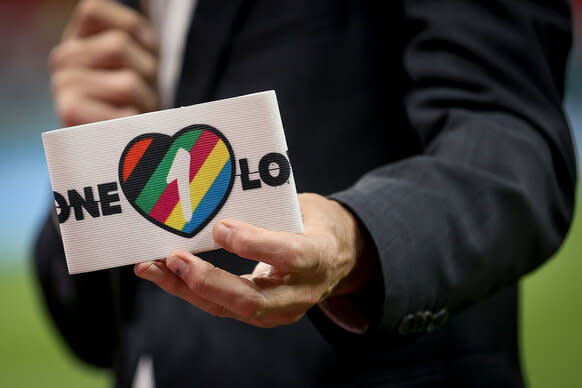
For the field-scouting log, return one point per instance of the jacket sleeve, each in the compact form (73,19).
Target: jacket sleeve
(87,309)
(492,194)
(82,306)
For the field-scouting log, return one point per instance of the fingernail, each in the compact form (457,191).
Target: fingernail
(177,265)
(153,273)
(221,233)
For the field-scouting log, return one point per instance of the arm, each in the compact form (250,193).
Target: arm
(489,199)
(105,67)
(492,195)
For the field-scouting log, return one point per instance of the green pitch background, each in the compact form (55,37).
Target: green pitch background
(32,354)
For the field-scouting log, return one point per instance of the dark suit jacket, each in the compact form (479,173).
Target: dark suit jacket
(438,123)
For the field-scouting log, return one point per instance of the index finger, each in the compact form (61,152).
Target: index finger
(285,251)
(94,16)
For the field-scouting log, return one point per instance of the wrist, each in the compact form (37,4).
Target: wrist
(359,249)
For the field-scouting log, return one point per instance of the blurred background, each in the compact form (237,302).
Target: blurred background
(31,352)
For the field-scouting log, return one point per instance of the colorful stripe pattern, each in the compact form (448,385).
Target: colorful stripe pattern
(144,171)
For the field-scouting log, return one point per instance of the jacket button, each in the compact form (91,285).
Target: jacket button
(406,325)
(441,317)
(428,321)
(419,322)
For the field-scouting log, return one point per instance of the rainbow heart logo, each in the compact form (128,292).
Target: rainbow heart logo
(178,182)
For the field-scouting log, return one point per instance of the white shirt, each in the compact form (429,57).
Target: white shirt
(171,20)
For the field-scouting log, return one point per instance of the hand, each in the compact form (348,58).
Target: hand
(106,64)
(295,271)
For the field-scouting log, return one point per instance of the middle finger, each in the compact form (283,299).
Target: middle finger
(112,49)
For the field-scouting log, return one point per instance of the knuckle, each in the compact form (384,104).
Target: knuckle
(130,111)
(58,81)
(128,84)
(322,271)
(293,253)
(57,56)
(151,70)
(295,249)
(152,101)
(307,298)
(320,262)
(63,80)
(133,22)
(53,57)
(67,109)
(201,283)
(169,283)
(87,9)
(117,42)
(331,245)
(253,306)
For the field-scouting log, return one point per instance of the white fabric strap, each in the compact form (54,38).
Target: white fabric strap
(134,189)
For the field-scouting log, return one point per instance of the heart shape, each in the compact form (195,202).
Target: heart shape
(178,182)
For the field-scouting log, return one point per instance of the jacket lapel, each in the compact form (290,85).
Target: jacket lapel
(206,49)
